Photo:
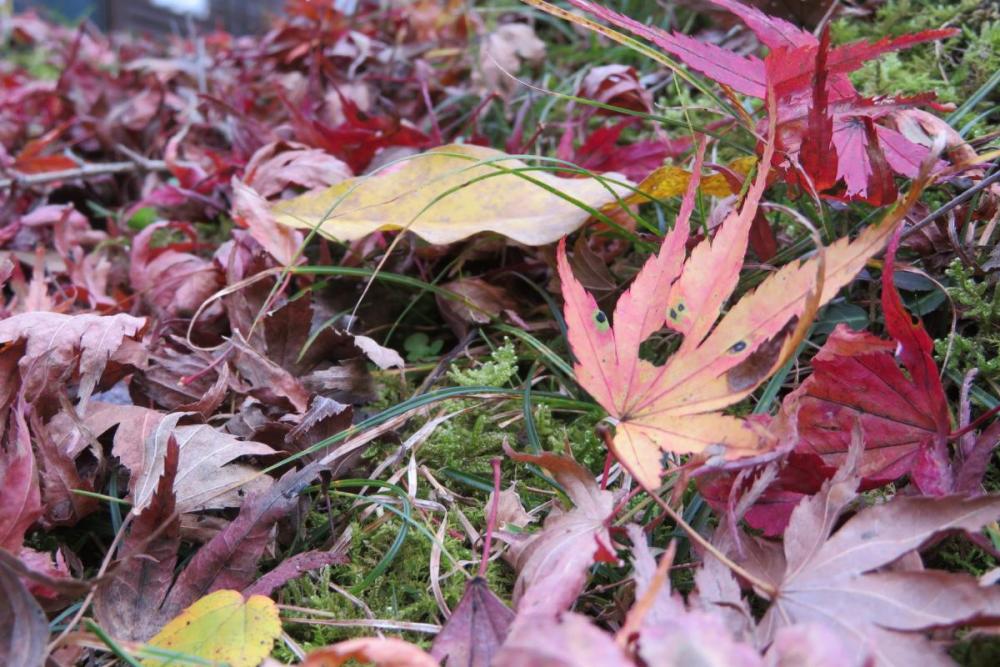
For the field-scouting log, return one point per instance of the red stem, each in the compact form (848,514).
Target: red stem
(491,520)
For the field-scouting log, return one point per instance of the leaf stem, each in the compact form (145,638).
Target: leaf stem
(762,586)
(491,520)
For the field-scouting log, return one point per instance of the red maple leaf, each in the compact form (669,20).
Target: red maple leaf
(820,112)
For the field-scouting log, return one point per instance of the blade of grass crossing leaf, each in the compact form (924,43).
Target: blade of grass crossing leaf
(112,645)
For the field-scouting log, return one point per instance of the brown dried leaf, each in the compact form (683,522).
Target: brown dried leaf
(830,580)
(24,630)
(58,348)
(128,604)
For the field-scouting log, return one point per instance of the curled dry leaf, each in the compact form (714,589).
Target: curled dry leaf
(172,280)
(448,194)
(277,166)
(24,630)
(383,652)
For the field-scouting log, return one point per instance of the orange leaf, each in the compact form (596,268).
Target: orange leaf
(676,407)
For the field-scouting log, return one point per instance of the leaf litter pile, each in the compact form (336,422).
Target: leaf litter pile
(415,333)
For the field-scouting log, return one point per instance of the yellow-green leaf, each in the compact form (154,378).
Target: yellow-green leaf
(221,627)
(442,196)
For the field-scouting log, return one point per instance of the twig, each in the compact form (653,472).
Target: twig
(960,199)
(763,586)
(83,172)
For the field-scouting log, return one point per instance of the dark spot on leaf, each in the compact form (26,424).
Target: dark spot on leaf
(601,320)
(738,346)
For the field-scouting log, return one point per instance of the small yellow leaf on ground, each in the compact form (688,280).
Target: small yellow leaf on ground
(450,193)
(221,627)
(671,181)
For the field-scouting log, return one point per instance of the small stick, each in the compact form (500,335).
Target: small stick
(84,171)
(766,588)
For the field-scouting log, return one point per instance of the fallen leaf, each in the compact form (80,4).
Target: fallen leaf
(569,640)
(474,632)
(278,165)
(208,476)
(251,210)
(382,651)
(502,52)
(58,347)
(834,578)
(127,604)
(552,564)
(670,634)
(229,560)
(171,280)
(24,630)
(448,194)
(20,494)
(223,627)
(674,407)
(813,92)
(294,567)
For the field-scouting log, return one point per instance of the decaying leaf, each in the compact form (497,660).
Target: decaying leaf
(502,52)
(20,495)
(128,603)
(223,627)
(475,630)
(450,193)
(208,476)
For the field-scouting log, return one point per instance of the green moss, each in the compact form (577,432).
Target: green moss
(977,344)
(402,593)
(497,372)
(954,68)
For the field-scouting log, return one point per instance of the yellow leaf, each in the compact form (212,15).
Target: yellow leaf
(222,627)
(670,181)
(442,196)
